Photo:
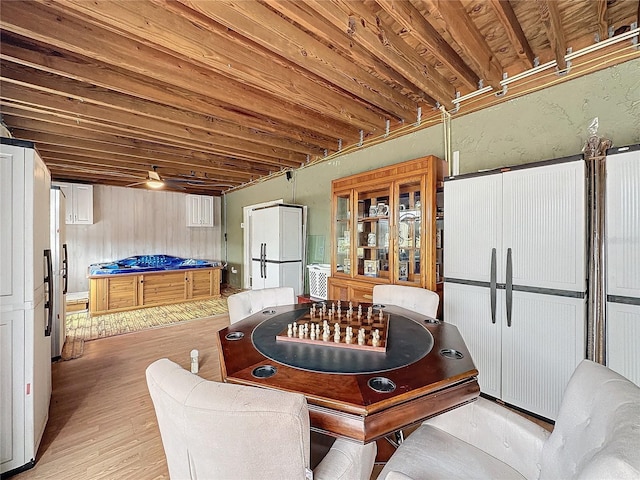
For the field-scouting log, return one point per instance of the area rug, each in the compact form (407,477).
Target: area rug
(80,327)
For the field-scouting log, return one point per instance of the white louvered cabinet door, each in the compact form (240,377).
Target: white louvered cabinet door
(472,227)
(468,307)
(623,263)
(541,349)
(544,224)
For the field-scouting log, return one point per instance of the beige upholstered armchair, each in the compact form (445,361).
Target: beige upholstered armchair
(596,436)
(246,303)
(416,299)
(213,430)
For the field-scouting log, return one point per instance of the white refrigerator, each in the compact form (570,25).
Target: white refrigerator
(60,265)
(277,247)
(622,240)
(515,277)
(26,287)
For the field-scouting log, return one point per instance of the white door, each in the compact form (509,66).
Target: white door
(257,275)
(11,225)
(468,307)
(473,228)
(265,233)
(38,320)
(206,211)
(12,404)
(623,338)
(541,349)
(290,236)
(83,204)
(623,224)
(67,190)
(623,264)
(273,275)
(544,225)
(193,210)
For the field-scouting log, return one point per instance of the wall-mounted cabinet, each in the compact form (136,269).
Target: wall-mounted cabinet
(199,211)
(384,229)
(79,203)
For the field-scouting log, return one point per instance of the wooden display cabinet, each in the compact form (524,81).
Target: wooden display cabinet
(384,229)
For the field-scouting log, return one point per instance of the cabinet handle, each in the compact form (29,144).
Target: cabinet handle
(493,285)
(65,263)
(509,286)
(48,279)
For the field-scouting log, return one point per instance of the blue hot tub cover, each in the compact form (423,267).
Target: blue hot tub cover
(149,263)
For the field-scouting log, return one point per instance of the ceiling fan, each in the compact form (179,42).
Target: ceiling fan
(154,180)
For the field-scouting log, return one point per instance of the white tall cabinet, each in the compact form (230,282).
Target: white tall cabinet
(277,247)
(515,279)
(623,261)
(25,303)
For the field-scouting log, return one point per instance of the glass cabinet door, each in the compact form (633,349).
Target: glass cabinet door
(409,232)
(342,232)
(373,235)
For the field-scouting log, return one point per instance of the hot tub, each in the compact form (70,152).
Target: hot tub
(148,263)
(151,280)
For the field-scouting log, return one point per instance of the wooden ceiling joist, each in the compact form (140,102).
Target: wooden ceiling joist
(451,16)
(412,20)
(550,17)
(261,25)
(219,94)
(101,75)
(192,49)
(509,21)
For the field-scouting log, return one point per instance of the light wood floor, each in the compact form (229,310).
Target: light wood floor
(101,422)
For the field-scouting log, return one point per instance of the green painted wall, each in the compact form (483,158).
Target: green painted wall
(548,124)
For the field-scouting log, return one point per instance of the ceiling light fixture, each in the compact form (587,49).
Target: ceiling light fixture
(154,180)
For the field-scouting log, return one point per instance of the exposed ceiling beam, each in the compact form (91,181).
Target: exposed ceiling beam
(263,26)
(602,20)
(302,14)
(43,131)
(416,25)
(365,28)
(146,128)
(49,26)
(115,154)
(52,122)
(86,93)
(316,131)
(183,49)
(550,17)
(452,18)
(513,29)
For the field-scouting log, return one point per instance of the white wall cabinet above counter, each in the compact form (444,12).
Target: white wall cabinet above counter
(79,203)
(199,211)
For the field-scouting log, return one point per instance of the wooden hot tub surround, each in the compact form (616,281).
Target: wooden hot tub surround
(120,292)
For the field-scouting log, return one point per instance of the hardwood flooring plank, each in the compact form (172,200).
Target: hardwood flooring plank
(101,421)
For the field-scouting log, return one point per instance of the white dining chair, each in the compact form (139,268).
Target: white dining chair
(221,430)
(243,304)
(416,299)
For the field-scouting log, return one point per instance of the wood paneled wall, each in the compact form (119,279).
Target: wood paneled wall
(131,221)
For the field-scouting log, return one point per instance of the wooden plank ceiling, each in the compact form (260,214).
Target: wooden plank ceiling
(218,94)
